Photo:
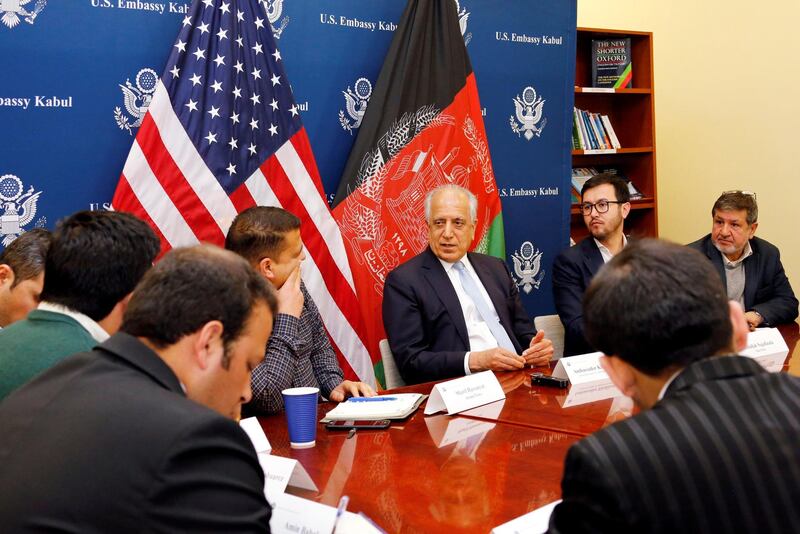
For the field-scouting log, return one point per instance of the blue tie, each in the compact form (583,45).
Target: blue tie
(472,291)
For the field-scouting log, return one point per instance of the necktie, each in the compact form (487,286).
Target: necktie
(472,291)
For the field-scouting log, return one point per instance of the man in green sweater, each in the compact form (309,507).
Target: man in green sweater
(22,275)
(95,260)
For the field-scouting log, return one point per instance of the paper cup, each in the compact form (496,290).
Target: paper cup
(301,416)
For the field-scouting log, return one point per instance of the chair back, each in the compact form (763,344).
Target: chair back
(390,371)
(553,330)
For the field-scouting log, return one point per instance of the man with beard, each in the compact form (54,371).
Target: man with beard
(605,203)
(750,267)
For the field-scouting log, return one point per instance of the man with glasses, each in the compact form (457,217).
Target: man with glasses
(750,267)
(605,203)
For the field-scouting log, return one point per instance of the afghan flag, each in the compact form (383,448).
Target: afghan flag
(423,128)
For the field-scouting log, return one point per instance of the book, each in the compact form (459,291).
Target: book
(611,63)
(392,406)
(610,130)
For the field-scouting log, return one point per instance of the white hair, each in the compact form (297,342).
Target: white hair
(473,201)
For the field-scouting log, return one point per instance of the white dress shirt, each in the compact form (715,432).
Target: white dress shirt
(607,253)
(480,337)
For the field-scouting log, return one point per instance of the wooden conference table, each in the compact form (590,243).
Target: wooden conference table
(467,473)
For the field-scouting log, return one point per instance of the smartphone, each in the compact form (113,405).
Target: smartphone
(539,379)
(348,424)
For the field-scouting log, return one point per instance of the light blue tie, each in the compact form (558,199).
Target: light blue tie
(472,291)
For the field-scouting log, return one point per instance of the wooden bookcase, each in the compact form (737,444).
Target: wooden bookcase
(632,114)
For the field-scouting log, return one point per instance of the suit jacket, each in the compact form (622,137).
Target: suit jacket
(719,453)
(573,271)
(766,288)
(41,340)
(424,322)
(106,441)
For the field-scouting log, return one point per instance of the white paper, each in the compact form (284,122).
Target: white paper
(256,434)
(292,515)
(586,393)
(597,90)
(601,151)
(350,523)
(767,347)
(534,522)
(280,472)
(464,393)
(581,369)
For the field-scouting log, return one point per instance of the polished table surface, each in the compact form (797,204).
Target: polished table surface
(504,460)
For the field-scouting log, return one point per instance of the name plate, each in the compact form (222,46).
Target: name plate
(445,430)
(534,522)
(293,515)
(581,369)
(767,347)
(464,393)
(280,472)
(256,434)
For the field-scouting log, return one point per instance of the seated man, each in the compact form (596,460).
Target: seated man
(714,448)
(22,275)
(95,260)
(750,267)
(138,435)
(448,313)
(299,353)
(605,205)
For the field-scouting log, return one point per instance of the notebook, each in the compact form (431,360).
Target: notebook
(392,406)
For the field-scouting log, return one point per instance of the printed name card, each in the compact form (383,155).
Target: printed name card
(256,434)
(293,515)
(581,369)
(767,347)
(464,393)
(534,522)
(280,472)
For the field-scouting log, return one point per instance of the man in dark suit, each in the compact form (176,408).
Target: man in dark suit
(714,448)
(139,433)
(448,313)
(750,267)
(605,203)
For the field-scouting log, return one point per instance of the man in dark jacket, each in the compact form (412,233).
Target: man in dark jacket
(750,267)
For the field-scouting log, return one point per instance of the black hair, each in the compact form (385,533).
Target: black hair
(95,259)
(26,255)
(259,232)
(657,305)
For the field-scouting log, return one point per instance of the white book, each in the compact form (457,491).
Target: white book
(610,130)
(391,406)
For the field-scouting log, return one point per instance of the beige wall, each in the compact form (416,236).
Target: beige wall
(727,79)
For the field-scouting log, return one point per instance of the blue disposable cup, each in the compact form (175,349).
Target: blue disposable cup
(301,416)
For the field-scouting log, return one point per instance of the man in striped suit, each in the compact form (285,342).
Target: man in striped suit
(716,446)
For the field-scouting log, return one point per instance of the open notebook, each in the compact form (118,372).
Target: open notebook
(393,406)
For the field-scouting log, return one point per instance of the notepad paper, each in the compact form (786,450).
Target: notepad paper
(394,406)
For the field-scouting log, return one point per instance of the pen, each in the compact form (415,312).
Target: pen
(370,399)
(342,504)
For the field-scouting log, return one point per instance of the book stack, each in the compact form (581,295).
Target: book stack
(581,174)
(592,131)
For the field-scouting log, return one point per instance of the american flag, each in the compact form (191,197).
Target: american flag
(223,133)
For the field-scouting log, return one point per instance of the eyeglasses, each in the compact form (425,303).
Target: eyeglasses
(601,206)
(740,192)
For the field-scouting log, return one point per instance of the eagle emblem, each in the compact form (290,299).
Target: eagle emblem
(12,10)
(274,10)
(17,209)
(136,99)
(463,16)
(528,267)
(356,102)
(529,110)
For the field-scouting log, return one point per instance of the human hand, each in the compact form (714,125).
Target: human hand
(349,388)
(290,298)
(754,319)
(496,359)
(540,351)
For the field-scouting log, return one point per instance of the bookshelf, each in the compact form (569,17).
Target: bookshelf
(632,114)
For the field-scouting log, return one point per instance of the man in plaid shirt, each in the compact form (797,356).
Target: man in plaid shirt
(299,353)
